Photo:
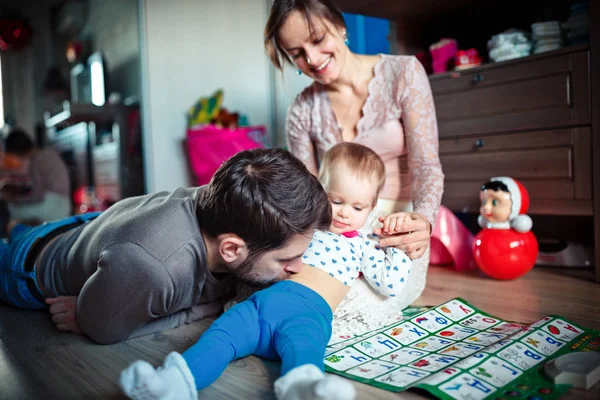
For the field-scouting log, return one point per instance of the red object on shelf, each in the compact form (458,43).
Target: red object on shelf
(86,200)
(14,34)
(505,254)
(467,59)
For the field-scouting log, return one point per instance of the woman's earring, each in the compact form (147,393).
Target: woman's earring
(347,41)
(299,72)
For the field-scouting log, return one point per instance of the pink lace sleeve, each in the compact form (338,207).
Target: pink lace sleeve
(298,135)
(420,126)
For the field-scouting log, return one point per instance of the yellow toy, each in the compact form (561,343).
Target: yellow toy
(205,110)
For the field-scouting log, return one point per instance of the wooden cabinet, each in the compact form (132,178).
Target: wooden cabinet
(540,92)
(528,119)
(554,165)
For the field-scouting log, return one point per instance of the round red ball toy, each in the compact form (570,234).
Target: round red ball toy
(505,253)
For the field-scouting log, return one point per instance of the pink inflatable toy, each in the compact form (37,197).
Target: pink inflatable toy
(451,242)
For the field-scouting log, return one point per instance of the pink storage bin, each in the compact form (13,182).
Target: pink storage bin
(209,146)
(442,54)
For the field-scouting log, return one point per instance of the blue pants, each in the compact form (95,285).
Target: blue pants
(286,321)
(18,284)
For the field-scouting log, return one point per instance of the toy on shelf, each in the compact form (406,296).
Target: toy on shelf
(205,110)
(505,248)
(210,110)
(443,55)
(466,59)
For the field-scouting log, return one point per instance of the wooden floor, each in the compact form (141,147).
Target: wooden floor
(36,362)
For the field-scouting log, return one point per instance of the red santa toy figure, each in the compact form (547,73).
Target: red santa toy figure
(505,248)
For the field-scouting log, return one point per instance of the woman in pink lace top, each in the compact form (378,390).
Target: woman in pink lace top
(383,102)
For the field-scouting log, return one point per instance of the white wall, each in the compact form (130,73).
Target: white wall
(190,48)
(287,86)
(114,28)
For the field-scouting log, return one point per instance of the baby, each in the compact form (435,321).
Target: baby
(291,320)
(352,176)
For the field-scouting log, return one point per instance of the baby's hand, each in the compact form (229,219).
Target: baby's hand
(392,223)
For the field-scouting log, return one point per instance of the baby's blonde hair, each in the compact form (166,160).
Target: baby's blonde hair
(361,160)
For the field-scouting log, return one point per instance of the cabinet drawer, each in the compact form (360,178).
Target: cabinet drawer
(536,163)
(530,95)
(540,93)
(512,141)
(555,167)
(500,73)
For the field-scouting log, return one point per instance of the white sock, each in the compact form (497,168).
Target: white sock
(308,382)
(172,381)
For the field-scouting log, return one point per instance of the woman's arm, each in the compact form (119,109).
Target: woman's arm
(421,131)
(427,179)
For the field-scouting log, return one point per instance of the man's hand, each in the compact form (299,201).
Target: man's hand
(64,313)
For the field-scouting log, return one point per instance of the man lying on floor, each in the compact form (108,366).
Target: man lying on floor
(158,261)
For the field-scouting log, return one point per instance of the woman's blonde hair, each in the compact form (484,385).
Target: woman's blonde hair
(359,159)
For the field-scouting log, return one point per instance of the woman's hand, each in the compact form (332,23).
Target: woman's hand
(408,232)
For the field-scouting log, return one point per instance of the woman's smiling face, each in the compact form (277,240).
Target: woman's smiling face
(320,53)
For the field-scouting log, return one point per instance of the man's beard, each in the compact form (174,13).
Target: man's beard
(244,273)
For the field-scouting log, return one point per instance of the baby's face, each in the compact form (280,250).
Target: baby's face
(495,205)
(352,199)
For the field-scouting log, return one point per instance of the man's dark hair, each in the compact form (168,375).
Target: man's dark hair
(265,196)
(18,142)
(495,186)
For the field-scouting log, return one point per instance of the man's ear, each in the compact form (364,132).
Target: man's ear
(232,248)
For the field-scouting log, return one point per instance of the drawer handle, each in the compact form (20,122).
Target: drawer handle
(477,79)
(479,143)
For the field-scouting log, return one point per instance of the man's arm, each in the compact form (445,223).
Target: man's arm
(129,289)
(64,315)
(179,318)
